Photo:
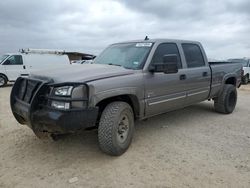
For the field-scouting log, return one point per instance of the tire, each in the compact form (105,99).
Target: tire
(116,128)
(3,81)
(227,100)
(245,79)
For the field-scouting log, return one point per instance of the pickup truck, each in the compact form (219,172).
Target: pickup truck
(128,81)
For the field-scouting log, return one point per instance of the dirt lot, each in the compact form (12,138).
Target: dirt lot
(193,147)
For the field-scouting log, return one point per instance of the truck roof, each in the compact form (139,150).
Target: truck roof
(160,40)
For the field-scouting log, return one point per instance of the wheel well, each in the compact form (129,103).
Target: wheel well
(132,100)
(4,76)
(231,80)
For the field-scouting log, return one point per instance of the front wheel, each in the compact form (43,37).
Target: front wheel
(225,103)
(116,128)
(3,81)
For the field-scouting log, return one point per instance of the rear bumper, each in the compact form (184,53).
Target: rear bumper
(33,112)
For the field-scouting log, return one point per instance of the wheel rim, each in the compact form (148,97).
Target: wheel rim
(2,81)
(123,129)
(232,99)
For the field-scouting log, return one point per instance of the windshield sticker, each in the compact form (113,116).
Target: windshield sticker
(144,44)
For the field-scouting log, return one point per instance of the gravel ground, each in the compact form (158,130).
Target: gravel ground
(192,147)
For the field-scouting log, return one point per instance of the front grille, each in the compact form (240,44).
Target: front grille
(27,89)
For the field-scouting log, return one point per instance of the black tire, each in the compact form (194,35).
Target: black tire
(112,139)
(3,80)
(227,100)
(245,79)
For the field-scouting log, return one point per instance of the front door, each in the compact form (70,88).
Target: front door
(164,92)
(14,67)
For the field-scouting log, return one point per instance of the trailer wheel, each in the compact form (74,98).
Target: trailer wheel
(226,102)
(3,80)
(116,128)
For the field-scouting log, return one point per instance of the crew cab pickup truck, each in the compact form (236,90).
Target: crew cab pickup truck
(128,81)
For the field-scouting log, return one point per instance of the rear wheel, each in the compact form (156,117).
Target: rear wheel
(3,81)
(226,102)
(116,128)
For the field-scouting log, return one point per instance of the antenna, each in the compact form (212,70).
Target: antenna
(146,38)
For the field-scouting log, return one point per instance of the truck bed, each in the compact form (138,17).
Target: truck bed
(220,71)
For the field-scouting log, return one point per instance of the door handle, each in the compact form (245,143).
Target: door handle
(204,74)
(183,77)
(24,67)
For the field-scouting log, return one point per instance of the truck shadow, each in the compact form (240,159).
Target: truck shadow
(8,85)
(84,145)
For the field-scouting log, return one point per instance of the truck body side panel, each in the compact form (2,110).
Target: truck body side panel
(222,72)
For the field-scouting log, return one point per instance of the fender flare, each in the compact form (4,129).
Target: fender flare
(225,78)
(132,92)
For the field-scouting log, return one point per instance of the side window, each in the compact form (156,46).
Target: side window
(193,55)
(166,49)
(14,60)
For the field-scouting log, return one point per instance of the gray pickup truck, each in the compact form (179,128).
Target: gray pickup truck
(128,81)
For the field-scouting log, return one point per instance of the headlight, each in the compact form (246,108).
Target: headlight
(67,97)
(63,91)
(79,92)
(60,105)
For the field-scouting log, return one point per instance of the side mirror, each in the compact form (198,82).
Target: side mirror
(169,65)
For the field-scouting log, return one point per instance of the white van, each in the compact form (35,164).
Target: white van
(22,64)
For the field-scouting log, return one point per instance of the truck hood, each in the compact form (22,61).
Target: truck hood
(81,73)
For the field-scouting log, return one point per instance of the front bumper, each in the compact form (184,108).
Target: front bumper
(31,109)
(54,121)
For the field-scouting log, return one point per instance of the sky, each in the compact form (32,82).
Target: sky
(222,26)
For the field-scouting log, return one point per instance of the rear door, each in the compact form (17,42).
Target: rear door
(14,67)
(197,73)
(164,92)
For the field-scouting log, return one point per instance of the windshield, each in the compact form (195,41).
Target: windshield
(128,55)
(244,62)
(3,57)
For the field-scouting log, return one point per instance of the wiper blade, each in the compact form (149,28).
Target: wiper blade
(120,66)
(115,64)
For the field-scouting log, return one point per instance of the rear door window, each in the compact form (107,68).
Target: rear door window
(193,55)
